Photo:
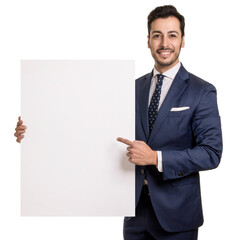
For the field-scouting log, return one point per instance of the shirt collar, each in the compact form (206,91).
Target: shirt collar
(171,73)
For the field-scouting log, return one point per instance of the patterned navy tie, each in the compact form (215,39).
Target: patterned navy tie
(153,107)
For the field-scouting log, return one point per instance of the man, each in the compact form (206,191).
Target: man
(178,134)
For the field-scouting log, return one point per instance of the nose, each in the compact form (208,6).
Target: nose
(164,42)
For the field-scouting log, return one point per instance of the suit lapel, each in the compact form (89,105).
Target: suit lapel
(143,100)
(176,90)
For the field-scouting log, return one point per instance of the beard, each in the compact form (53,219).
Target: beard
(162,61)
(166,63)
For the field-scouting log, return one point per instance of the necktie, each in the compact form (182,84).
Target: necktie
(153,107)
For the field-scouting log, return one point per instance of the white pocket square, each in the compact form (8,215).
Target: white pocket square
(177,109)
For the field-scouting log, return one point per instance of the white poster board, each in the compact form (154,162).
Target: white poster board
(72,164)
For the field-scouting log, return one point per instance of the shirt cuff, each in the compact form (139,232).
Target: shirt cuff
(160,165)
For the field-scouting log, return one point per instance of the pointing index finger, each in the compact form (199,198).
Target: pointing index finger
(125,141)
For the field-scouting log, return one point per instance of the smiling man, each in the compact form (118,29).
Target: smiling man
(178,134)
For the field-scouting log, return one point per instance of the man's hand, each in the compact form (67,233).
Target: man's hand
(20,130)
(139,152)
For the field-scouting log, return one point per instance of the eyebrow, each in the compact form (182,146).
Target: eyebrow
(168,32)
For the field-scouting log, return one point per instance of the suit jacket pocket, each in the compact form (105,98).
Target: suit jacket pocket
(179,113)
(190,179)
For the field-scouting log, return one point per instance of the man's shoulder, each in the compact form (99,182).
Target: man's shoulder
(147,75)
(198,82)
(193,80)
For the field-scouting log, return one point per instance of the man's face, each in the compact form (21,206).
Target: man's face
(165,42)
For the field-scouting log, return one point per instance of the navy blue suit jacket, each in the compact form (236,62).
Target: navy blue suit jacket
(190,141)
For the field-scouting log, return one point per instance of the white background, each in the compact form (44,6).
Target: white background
(74,29)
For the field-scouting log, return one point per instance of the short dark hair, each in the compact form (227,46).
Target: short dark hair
(165,12)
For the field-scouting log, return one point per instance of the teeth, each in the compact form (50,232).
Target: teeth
(165,53)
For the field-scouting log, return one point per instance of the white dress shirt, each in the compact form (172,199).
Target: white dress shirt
(169,76)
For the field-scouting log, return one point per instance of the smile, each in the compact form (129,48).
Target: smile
(164,53)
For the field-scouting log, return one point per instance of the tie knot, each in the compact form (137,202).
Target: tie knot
(160,79)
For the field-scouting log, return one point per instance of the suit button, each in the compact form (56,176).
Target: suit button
(142,171)
(181,174)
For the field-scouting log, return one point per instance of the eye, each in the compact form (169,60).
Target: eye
(156,36)
(172,35)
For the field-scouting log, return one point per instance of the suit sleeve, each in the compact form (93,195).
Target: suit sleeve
(207,135)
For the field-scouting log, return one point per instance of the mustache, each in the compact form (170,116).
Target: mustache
(166,49)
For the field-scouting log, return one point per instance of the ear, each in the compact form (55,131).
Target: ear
(183,42)
(148,42)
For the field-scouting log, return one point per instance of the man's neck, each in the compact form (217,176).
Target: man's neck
(161,69)
(171,72)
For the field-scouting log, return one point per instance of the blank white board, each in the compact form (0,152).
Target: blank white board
(71,163)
